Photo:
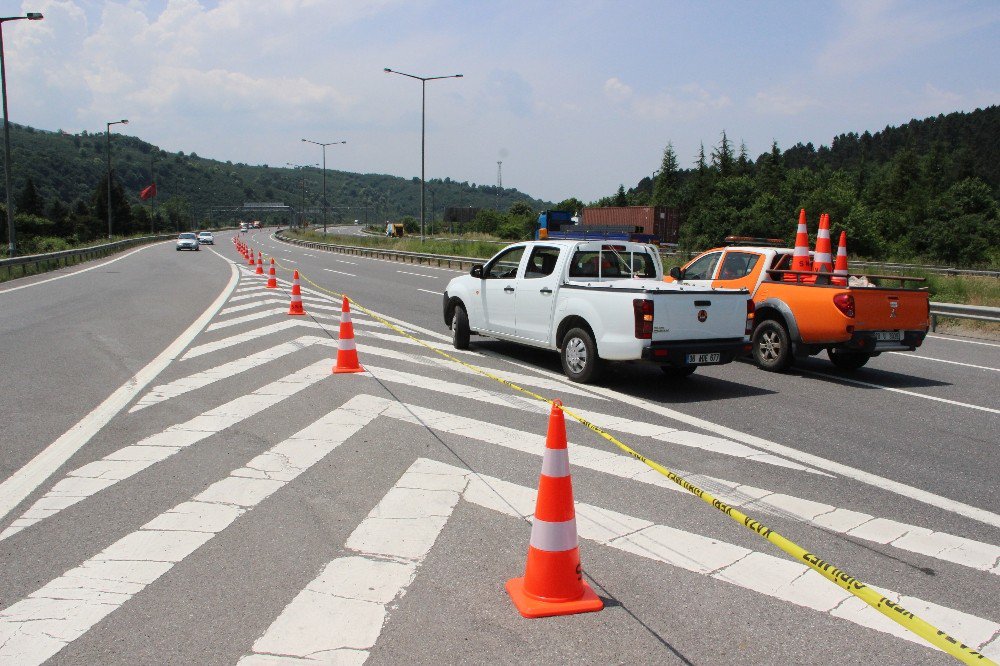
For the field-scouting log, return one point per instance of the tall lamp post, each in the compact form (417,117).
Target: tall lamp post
(12,246)
(423,126)
(324,145)
(302,182)
(107,141)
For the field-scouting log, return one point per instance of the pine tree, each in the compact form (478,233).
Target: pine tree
(665,189)
(722,157)
(30,202)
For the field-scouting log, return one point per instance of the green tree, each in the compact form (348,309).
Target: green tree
(572,204)
(30,202)
(521,208)
(666,188)
(722,157)
(620,197)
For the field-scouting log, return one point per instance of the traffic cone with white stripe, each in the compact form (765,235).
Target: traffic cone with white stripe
(823,257)
(347,352)
(260,264)
(296,307)
(840,269)
(272,278)
(250,261)
(800,257)
(553,581)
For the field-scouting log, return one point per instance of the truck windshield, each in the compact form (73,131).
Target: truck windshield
(611,264)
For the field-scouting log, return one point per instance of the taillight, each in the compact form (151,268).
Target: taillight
(750,310)
(845,303)
(643,310)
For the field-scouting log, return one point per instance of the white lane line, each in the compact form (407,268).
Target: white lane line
(126,462)
(24,481)
(330,270)
(430,277)
(342,261)
(82,270)
(971,342)
(846,471)
(941,360)
(428,291)
(912,538)
(858,382)
(342,612)
(607,421)
(198,380)
(38,627)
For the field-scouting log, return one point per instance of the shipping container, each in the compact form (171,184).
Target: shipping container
(660,221)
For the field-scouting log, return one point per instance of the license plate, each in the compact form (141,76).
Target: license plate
(697,359)
(888,336)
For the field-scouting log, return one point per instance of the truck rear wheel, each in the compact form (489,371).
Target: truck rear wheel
(772,346)
(847,360)
(460,328)
(579,356)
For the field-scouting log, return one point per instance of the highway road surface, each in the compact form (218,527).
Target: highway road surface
(184,481)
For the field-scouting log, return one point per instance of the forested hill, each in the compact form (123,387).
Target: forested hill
(926,190)
(66,170)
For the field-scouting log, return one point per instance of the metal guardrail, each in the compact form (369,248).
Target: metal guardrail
(959,311)
(52,260)
(382,253)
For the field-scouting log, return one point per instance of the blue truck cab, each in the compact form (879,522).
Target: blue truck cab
(561,224)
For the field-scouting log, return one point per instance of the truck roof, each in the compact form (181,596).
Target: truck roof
(751,248)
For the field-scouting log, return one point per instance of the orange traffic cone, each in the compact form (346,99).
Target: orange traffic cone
(552,583)
(823,257)
(260,264)
(272,279)
(840,270)
(347,352)
(800,257)
(251,263)
(296,307)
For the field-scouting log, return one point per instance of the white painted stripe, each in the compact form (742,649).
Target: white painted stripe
(82,270)
(939,545)
(256,334)
(431,277)
(428,291)
(56,615)
(941,360)
(126,462)
(553,537)
(24,481)
(340,614)
(346,344)
(342,261)
(971,342)
(330,270)
(555,463)
(858,382)
(345,317)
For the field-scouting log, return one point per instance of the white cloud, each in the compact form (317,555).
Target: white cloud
(782,103)
(685,103)
(616,90)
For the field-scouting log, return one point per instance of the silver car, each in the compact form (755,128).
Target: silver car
(187,241)
(206,238)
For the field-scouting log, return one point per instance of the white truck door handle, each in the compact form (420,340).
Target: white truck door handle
(544,290)
(509,290)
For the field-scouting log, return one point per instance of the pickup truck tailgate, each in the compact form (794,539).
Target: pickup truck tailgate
(699,315)
(881,309)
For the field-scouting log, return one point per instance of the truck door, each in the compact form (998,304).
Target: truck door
(701,271)
(536,295)
(739,270)
(499,290)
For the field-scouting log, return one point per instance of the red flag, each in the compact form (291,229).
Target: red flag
(148,192)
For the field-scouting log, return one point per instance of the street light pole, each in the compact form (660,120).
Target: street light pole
(11,244)
(324,145)
(302,182)
(107,137)
(423,128)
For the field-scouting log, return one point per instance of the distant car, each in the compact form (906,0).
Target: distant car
(206,238)
(187,241)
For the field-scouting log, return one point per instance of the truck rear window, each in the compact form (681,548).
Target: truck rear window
(611,264)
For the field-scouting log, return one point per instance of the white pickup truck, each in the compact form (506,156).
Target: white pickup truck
(595,301)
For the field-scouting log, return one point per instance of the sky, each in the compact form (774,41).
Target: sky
(574,98)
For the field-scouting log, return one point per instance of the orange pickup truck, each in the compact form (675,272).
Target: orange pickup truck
(800,314)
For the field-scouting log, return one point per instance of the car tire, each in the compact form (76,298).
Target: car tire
(677,373)
(579,356)
(847,360)
(460,328)
(772,346)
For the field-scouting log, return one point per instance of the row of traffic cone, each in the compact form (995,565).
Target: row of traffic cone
(822,260)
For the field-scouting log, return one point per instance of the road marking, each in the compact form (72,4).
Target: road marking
(330,270)
(912,538)
(82,270)
(971,342)
(858,382)
(342,612)
(941,360)
(126,462)
(430,277)
(24,481)
(38,627)
(313,307)
(342,261)
(428,291)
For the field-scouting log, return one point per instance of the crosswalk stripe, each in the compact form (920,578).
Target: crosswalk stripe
(36,628)
(126,462)
(270,312)
(264,301)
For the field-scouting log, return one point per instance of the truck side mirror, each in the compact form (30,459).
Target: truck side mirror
(477,271)
(676,273)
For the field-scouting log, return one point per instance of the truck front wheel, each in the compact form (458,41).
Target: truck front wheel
(847,360)
(579,356)
(460,328)
(772,346)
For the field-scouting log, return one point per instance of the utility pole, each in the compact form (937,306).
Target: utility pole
(499,182)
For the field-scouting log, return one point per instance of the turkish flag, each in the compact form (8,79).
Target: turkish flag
(148,193)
